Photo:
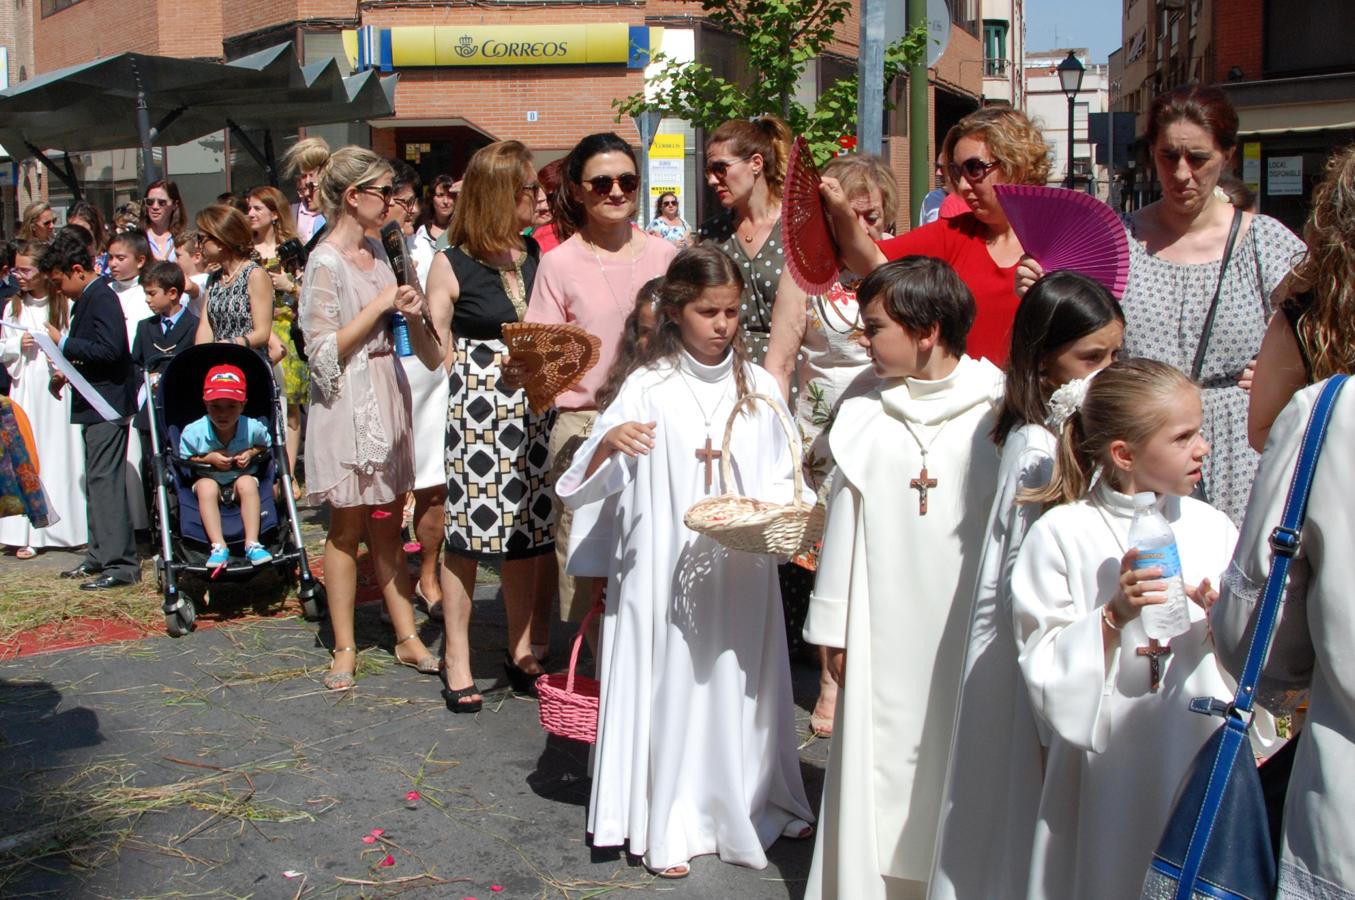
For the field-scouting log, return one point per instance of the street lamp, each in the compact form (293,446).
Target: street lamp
(1070,80)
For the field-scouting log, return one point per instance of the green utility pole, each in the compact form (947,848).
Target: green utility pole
(919,144)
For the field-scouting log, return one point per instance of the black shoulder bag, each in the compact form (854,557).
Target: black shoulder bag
(1198,365)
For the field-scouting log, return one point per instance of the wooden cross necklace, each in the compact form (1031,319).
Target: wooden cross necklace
(705,454)
(923,482)
(1155,652)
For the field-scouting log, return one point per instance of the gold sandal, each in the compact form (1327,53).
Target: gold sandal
(341,681)
(425,665)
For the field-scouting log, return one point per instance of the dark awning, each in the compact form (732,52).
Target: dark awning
(132,100)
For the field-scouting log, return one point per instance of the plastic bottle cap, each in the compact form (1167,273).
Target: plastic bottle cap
(1145,500)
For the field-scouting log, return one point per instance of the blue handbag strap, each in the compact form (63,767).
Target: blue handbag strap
(1284,543)
(1284,540)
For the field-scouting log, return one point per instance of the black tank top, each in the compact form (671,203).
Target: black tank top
(1293,310)
(482,309)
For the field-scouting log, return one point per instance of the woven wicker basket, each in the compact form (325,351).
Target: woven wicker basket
(568,703)
(756,526)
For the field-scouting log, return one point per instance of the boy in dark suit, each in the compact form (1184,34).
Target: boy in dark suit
(96,345)
(159,338)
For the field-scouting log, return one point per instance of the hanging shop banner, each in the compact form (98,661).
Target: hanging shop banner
(440,46)
(667,161)
(1251,165)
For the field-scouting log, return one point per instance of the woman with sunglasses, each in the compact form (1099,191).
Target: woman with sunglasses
(667,222)
(746,167)
(591,280)
(359,450)
(163,219)
(992,146)
(498,507)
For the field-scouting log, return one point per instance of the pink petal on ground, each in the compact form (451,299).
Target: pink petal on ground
(377,832)
(388,861)
(413,547)
(412,796)
(369,839)
(496,888)
(292,873)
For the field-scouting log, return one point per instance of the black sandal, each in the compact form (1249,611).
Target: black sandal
(453,698)
(521,681)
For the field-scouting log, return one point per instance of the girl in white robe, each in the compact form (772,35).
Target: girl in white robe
(915,481)
(1121,736)
(1066,328)
(61,450)
(696,745)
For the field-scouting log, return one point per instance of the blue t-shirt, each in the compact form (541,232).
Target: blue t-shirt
(199,438)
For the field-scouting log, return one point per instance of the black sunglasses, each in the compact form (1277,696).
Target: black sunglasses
(973,169)
(602,184)
(720,167)
(387,191)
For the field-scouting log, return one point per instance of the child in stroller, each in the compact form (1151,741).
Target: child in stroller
(225,445)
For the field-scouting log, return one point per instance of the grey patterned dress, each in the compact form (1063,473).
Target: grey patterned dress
(227,305)
(761,274)
(1165,304)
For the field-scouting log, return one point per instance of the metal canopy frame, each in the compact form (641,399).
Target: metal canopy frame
(136,100)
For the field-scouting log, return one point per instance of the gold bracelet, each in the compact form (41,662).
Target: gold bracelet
(1105,617)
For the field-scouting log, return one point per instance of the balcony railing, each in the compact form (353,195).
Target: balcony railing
(996,68)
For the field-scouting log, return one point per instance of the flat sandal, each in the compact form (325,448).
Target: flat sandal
(424,665)
(341,681)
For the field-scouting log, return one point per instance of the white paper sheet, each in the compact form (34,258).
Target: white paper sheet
(72,375)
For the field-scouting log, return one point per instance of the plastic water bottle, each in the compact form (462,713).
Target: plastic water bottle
(400,335)
(1150,534)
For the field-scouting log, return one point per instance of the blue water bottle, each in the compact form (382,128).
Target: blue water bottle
(400,335)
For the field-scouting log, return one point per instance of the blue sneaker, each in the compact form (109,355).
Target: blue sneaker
(219,556)
(257,555)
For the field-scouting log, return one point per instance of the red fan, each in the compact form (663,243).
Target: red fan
(953,206)
(811,254)
(1065,229)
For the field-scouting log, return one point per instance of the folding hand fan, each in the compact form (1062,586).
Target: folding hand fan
(1065,229)
(553,358)
(953,206)
(811,254)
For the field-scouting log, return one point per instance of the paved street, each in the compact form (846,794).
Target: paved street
(215,765)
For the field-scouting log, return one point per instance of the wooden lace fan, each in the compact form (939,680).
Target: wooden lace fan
(811,255)
(553,358)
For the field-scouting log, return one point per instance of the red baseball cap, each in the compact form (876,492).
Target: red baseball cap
(224,383)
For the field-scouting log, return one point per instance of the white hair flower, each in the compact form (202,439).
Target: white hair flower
(1065,401)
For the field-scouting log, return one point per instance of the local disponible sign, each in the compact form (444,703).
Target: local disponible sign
(441,46)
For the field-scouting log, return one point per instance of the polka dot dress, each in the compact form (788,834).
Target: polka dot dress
(761,273)
(1165,304)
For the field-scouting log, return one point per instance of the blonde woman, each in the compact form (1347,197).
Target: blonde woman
(270,221)
(1314,338)
(359,454)
(38,222)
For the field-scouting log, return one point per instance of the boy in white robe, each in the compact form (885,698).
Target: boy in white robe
(127,255)
(905,529)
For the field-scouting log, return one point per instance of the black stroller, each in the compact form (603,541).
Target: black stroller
(181,565)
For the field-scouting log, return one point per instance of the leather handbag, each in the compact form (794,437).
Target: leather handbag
(1218,842)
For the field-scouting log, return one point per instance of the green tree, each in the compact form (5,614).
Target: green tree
(778,39)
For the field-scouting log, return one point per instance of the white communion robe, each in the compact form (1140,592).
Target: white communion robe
(992,793)
(696,749)
(895,588)
(61,449)
(1117,751)
(132,296)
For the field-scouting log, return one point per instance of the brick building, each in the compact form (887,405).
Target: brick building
(1288,66)
(445,111)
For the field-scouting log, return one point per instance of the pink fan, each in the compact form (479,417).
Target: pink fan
(810,252)
(953,206)
(1065,229)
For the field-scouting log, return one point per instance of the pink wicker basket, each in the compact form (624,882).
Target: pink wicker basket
(568,703)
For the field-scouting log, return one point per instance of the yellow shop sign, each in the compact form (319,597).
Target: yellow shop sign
(424,46)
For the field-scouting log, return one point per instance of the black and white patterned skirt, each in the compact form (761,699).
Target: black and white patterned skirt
(498,497)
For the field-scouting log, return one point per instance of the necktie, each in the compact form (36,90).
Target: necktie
(167,323)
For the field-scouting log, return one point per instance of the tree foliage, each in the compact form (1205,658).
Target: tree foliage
(778,39)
